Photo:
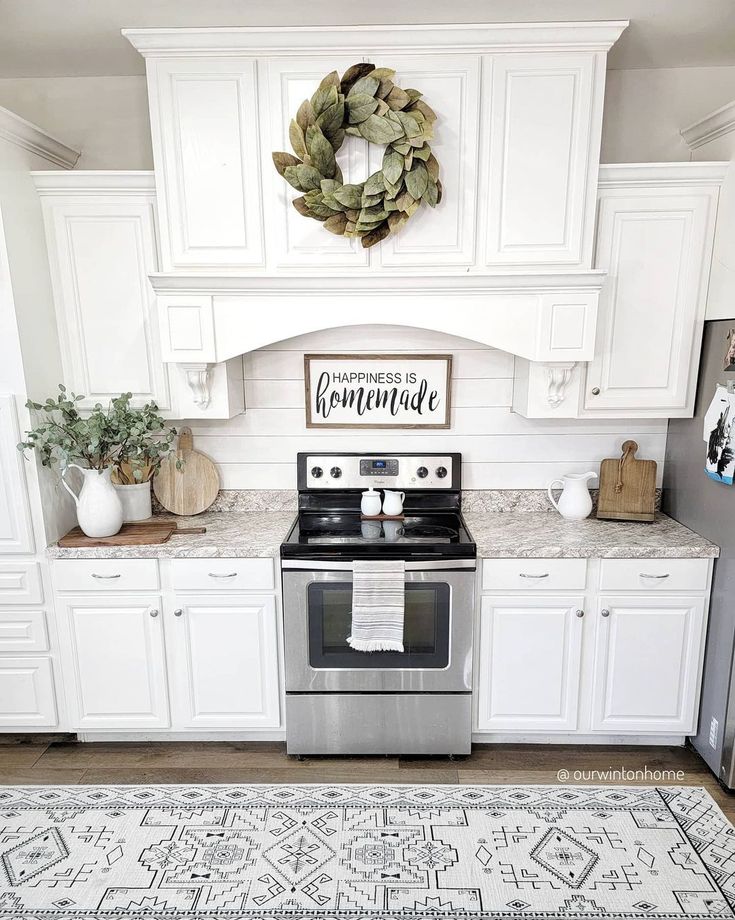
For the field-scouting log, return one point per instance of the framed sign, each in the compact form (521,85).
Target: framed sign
(377,391)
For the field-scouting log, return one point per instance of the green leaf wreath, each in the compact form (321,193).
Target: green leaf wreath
(364,103)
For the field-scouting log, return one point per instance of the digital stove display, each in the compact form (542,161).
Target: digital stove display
(378,467)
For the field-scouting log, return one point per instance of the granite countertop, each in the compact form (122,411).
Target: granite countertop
(543,534)
(229,534)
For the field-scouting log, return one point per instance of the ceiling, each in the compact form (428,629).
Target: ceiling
(48,38)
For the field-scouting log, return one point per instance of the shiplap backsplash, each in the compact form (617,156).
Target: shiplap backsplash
(501,450)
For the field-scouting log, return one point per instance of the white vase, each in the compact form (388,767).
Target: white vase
(99,510)
(575,501)
(135,500)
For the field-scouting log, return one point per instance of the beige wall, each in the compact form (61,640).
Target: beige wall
(107,117)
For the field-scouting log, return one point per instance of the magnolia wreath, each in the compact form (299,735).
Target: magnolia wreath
(364,103)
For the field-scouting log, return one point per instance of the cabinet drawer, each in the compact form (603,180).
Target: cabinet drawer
(23,631)
(533,574)
(20,583)
(654,575)
(226,574)
(106,574)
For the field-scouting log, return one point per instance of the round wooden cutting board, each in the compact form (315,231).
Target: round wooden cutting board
(191,489)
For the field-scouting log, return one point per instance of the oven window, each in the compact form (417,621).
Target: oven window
(425,629)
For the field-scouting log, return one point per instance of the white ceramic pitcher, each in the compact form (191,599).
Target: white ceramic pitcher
(575,501)
(99,510)
(393,503)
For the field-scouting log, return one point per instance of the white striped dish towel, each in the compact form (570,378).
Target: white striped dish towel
(378,606)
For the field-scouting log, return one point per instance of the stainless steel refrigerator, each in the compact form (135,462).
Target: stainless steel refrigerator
(708,507)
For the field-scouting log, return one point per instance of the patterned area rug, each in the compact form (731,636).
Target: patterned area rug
(349,852)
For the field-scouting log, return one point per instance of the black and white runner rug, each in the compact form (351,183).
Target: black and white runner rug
(347,852)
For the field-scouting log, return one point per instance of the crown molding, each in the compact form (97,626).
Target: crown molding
(716,124)
(35,140)
(93,182)
(439,38)
(663,174)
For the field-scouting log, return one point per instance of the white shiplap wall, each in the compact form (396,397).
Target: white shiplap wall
(501,450)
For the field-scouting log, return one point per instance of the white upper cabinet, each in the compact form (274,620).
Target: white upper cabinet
(204,122)
(16,531)
(544,120)
(655,232)
(100,230)
(443,236)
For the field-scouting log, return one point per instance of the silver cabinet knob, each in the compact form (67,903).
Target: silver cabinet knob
(153,612)
(580,613)
(178,612)
(595,391)
(605,612)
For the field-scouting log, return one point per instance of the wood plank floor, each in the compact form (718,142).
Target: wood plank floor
(33,760)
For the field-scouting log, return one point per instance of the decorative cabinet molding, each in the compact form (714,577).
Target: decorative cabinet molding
(16,529)
(206,151)
(530,652)
(27,697)
(655,232)
(544,117)
(100,230)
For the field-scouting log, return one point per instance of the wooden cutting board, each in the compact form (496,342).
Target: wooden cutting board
(140,534)
(191,489)
(627,487)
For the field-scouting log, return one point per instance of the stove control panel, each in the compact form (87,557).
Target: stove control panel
(379,471)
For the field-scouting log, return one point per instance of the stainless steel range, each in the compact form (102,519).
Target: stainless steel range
(342,701)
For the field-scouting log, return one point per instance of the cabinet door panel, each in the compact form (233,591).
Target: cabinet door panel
(656,248)
(116,654)
(646,667)
(101,252)
(295,240)
(444,235)
(529,661)
(226,662)
(204,118)
(27,698)
(544,115)
(16,532)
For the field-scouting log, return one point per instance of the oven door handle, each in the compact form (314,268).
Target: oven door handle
(342,565)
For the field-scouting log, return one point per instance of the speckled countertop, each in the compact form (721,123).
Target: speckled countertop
(229,534)
(543,534)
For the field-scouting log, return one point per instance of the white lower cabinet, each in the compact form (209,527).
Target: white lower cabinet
(530,651)
(224,653)
(27,698)
(627,663)
(647,653)
(169,659)
(118,663)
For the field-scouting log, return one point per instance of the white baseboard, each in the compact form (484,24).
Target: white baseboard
(575,739)
(182,736)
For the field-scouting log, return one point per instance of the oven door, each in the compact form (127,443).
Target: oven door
(437,634)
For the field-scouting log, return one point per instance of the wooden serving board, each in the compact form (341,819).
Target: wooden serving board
(141,534)
(382,517)
(627,487)
(191,489)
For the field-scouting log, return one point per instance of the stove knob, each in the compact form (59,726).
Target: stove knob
(335,472)
(422,472)
(317,472)
(441,471)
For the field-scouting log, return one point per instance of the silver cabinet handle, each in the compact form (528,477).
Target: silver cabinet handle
(580,613)
(595,391)
(95,575)
(222,575)
(153,612)
(178,612)
(605,612)
(529,575)
(646,575)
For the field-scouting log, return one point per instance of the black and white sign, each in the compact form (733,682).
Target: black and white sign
(377,391)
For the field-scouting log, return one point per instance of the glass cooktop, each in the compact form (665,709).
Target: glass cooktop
(348,535)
